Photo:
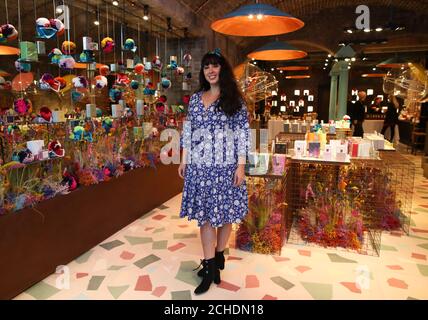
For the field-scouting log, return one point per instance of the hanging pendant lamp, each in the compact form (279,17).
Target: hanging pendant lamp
(277,51)
(256,20)
(9,51)
(393,63)
(293,68)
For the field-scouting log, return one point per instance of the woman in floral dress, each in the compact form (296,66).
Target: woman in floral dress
(215,144)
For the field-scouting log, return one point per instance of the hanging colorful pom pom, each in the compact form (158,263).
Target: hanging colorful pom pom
(187,58)
(130,45)
(100,82)
(55,149)
(67,62)
(115,95)
(157,64)
(61,82)
(149,89)
(139,68)
(107,44)
(46,114)
(22,106)
(68,47)
(87,56)
(22,66)
(55,55)
(80,82)
(48,82)
(8,33)
(135,84)
(104,70)
(166,83)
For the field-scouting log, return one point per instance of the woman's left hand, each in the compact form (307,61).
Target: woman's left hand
(239,175)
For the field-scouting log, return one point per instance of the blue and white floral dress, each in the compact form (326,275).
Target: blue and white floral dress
(211,137)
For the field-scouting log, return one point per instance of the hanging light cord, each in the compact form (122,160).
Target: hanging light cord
(35,10)
(19,20)
(7,13)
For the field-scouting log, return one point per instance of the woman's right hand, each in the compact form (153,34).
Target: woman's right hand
(181,170)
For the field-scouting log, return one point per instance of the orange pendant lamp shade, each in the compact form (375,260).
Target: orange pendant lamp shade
(373,75)
(300,76)
(393,63)
(9,51)
(277,51)
(293,68)
(256,20)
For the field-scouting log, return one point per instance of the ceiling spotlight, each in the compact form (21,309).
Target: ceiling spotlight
(272,69)
(349,30)
(374,69)
(347,59)
(365,58)
(146,13)
(367,30)
(379,29)
(255,62)
(326,64)
(353,59)
(324,68)
(281,71)
(329,55)
(259,17)
(349,67)
(336,60)
(58,10)
(342,44)
(251,16)
(96,22)
(115,3)
(253,59)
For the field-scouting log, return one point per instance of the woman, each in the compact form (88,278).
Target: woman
(213,167)
(391,117)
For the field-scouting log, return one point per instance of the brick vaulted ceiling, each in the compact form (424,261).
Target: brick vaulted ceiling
(325,21)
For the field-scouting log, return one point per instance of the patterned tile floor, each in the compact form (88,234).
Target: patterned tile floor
(153,258)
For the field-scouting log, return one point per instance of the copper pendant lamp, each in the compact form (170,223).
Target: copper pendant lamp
(256,20)
(293,68)
(277,51)
(9,51)
(299,76)
(393,63)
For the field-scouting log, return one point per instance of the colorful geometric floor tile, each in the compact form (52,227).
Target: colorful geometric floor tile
(155,257)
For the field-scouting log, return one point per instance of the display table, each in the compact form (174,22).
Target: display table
(371,126)
(33,242)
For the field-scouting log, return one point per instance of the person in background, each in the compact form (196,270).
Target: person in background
(376,107)
(358,114)
(391,117)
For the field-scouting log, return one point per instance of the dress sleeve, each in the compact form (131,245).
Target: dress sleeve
(242,130)
(186,134)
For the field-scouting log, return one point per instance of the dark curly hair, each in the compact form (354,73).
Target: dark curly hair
(231,98)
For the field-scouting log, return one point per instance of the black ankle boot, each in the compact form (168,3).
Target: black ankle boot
(212,274)
(219,261)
